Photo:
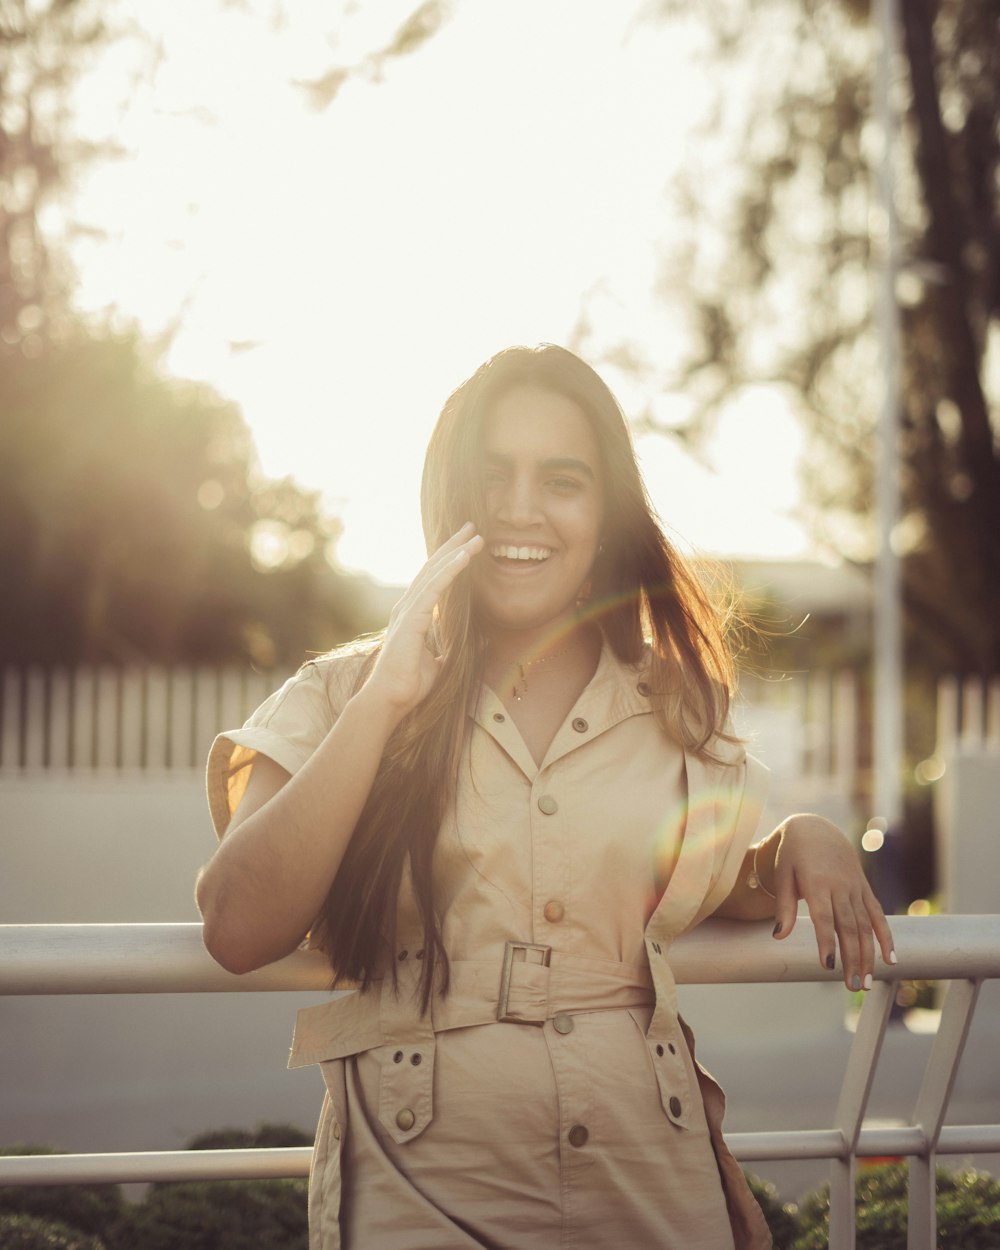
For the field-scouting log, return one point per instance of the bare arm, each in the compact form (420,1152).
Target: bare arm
(809,858)
(266,882)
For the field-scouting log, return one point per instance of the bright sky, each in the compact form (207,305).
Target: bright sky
(338,272)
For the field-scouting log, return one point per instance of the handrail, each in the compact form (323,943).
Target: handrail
(170,958)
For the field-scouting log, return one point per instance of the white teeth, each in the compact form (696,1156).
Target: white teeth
(520,553)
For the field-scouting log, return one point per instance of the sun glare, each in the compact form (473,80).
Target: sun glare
(337,272)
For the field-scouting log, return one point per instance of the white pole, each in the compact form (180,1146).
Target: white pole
(887,802)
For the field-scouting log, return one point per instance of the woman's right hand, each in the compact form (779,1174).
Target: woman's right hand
(406,670)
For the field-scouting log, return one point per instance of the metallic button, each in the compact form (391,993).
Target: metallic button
(578,1135)
(675,1105)
(553,911)
(580,725)
(499,717)
(405,1119)
(548,805)
(643,688)
(563,1023)
(336,1131)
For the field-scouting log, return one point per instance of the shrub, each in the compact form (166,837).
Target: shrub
(223,1215)
(90,1209)
(28,1232)
(264,1137)
(968,1211)
(781,1217)
(227,1215)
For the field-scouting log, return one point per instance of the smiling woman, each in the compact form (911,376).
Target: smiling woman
(494,820)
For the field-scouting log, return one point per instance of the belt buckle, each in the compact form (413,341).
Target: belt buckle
(509,959)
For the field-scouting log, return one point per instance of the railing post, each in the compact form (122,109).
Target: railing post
(851,1109)
(929,1113)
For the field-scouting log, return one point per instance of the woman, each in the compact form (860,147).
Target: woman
(494,821)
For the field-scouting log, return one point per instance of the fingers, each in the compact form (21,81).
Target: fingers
(406,670)
(858,921)
(441,568)
(444,566)
(880,925)
(822,915)
(786,902)
(855,942)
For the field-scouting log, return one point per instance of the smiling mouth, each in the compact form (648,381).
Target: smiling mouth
(528,555)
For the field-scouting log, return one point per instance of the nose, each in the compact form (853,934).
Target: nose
(517,503)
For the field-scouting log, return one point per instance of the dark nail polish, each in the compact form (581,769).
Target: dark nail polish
(777,929)
(855,982)
(830,962)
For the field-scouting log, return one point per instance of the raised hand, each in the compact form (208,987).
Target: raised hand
(405,670)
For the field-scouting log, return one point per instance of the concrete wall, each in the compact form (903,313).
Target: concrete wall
(129,1072)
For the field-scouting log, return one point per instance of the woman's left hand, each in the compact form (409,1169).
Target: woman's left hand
(814,861)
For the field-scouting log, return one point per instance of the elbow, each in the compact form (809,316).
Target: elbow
(228,953)
(222,939)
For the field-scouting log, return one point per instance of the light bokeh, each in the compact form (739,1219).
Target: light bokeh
(338,272)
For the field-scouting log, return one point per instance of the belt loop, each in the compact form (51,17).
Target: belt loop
(510,951)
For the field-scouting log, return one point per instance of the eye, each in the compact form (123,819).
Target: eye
(564,485)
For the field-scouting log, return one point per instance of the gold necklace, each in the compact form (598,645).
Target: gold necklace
(520,687)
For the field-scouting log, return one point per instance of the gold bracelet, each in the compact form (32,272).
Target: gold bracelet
(754,881)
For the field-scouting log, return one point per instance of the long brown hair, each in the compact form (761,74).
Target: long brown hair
(642,595)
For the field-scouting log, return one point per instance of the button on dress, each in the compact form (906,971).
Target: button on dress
(552,1097)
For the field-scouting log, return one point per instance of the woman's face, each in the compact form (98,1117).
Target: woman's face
(544,490)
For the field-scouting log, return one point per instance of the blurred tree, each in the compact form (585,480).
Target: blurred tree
(423,22)
(45,45)
(134,525)
(772,274)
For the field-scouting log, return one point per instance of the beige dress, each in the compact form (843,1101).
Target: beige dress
(552,1099)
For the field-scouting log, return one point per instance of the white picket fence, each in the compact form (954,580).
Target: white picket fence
(155,719)
(109,719)
(968,715)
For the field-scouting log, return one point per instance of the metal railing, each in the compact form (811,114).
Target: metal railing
(170,958)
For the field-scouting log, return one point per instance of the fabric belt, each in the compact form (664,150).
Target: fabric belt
(535,984)
(529,985)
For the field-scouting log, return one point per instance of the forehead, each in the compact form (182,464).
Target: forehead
(529,422)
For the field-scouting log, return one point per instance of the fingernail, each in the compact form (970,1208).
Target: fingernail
(855,982)
(892,958)
(868,980)
(777,929)
(830,962)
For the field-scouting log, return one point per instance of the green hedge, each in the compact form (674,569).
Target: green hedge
(195,1215)
(95,1210)
(29,1232)
(968,1211)
(245,1215)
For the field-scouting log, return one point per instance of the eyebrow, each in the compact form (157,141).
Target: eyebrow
(555,464)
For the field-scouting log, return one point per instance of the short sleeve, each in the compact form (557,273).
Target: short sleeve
(739,813)
(287,728)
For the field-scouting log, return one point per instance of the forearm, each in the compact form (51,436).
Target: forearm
(267,881)
(746,902)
